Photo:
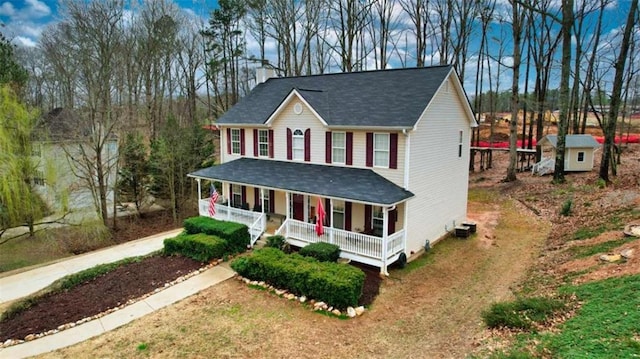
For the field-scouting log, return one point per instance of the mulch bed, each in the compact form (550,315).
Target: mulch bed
(371,286)
(96,296)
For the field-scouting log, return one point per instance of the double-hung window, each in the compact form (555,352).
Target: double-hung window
(236,200)
(460,143)
(338,214)
(377,218)
(298,145)
(338,147)
(263,143)
(235,141)
(381,150)
(581,156)
(266,201)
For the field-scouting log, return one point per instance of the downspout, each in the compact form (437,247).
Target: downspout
(407,147)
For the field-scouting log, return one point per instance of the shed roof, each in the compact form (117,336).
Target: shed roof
(572,141)
(355,184)
(389,98)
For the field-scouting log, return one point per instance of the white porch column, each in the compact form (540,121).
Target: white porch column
(262,199)
(229,202)
(385,229)
(288,201)
(331,220)
(199,194)
(404,225)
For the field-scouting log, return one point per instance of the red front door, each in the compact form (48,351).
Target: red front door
(298,207)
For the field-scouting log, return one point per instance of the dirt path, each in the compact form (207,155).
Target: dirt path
(431,311)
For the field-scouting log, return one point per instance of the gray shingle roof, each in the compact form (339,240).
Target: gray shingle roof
(356,184)
(394,98)
(574,141)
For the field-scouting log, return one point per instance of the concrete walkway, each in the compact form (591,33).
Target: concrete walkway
(113,320)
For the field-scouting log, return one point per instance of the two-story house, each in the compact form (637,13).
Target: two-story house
(385,153)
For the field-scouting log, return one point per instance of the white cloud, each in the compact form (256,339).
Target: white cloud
(24,41)
(7,9)
(37,8)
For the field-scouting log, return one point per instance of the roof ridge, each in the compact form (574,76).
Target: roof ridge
(360,72)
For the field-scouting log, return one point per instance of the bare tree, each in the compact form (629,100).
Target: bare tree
(418,12)
(610,127)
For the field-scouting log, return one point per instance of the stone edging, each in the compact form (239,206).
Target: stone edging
(30,337)
(316,305)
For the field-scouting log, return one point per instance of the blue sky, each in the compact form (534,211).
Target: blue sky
(24,20)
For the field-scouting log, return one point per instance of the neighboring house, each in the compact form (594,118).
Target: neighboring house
(579,153)
(385,153)
(61,133)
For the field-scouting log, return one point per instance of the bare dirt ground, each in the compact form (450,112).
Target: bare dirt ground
(429,310)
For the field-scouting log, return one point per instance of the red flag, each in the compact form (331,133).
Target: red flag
(320,219)
(212,201)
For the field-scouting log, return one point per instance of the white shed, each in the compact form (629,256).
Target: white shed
(579,151)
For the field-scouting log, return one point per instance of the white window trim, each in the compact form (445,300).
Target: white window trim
(294,149)
(388,150)
(375,218)
(460,143)
(260,143)
(238,141)
(338,207)
(335,147)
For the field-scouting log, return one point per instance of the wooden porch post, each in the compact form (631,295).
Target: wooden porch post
(385,228)
(331,220)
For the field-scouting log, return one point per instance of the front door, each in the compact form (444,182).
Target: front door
(298,207)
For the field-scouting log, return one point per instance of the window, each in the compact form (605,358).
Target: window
(236,199)
(338,147)
(36,150)
(263,143)
(581,156)
(298,145)
(338,214)
(235,141)
(38,178)
(460,144)
(266,201)
(377,219)
(381,150)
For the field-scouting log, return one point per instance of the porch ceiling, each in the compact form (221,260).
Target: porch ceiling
(355,184)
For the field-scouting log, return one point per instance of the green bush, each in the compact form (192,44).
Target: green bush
(236,234)
(337,285)
(521,313)
(279,242)
(567,206)
(200,247)
(322,251)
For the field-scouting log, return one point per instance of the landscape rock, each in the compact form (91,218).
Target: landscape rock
(627,253)
(351,312)
(319,305)
(303,299)
(360,310)
(610,258)
(336,312)
(29,337)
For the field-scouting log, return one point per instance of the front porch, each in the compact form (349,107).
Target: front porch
(361,212)
(375,250)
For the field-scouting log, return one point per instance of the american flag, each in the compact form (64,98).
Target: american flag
(212,201)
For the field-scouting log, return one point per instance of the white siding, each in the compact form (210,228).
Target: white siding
(306,120)
(437,176)
(571,159)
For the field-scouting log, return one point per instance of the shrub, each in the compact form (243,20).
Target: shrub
(521,313)
(236,234)
(278,242)
(200,247)
(322,251)
(337,285)
(566,207)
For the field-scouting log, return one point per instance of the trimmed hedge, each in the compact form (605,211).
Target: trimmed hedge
(336,284)
(201,247)
(236,234)
(322,251)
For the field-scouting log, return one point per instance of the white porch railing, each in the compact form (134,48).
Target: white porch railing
(256,221)
(356,246)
